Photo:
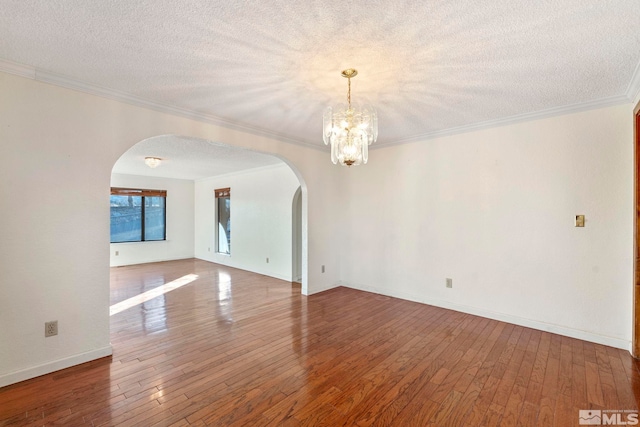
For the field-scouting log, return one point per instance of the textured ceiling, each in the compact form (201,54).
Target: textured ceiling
(189,158)
(272,66)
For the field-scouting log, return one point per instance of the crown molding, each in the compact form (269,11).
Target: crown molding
(633,90)
(631,94)
(74,84)
(543,114)
(17,69)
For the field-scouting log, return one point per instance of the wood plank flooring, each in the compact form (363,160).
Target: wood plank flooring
(234,348)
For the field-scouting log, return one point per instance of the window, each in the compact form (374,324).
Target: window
(223,213)
(138,215)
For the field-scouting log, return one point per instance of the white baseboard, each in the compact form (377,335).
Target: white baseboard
(148,261)
(47,368)
(279,276)
(286,278)
(521,321)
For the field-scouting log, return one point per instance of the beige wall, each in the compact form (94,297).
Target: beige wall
(494,210)
(58,147)
(261,220)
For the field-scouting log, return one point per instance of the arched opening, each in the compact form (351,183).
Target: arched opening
(261,228)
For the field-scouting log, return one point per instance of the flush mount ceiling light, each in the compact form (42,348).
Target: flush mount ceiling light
(350,129)
(152,162)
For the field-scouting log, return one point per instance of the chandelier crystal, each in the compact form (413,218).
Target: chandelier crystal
(350,129)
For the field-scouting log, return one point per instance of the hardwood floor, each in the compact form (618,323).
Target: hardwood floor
(236,348)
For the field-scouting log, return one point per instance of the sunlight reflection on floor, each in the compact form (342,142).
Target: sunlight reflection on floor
(146,296)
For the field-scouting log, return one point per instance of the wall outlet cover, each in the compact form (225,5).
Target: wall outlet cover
(51,328)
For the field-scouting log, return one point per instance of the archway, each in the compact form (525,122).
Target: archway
(208,164)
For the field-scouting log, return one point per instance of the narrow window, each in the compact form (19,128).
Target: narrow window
(223,214)
(138,215)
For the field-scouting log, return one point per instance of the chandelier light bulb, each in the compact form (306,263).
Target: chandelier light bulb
(350,129)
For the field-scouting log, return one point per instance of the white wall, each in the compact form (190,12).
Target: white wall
(261,218)
(494,210)
(57,149)
(179,226)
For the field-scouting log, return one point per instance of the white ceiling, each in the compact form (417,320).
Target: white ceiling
(429,67)
(189,158)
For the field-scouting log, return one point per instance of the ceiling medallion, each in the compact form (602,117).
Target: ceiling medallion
(350,129)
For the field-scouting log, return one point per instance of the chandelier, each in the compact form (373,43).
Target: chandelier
(350,129)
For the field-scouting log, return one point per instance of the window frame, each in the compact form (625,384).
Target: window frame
(138,192)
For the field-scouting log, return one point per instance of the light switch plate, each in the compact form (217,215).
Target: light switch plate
(579,220)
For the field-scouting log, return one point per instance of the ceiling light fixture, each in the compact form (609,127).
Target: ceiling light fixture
(152,162)
(350,129)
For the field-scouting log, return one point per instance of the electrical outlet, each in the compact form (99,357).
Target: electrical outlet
(449,283)
(267,260)
(323,268)
(51,328)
